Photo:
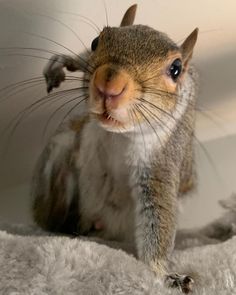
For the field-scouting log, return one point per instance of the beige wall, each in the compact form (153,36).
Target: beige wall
(215,57)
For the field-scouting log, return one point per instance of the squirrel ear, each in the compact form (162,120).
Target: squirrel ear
(188,45)
(128,18)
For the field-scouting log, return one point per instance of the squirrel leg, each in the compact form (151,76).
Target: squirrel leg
(188,176)
(54,189)
(54,71)
(183,282)
(156,210)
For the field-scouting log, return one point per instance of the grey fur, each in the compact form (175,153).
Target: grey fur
(133,191)
(33,262)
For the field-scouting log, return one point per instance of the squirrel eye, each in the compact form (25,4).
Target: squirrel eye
(94,44)
(175,69)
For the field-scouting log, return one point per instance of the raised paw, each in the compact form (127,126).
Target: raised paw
(54,73)
(182,282)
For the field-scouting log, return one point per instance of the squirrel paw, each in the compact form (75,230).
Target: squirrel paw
(182,282)
(54,73)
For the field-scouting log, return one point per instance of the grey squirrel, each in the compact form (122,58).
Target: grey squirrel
(118,171)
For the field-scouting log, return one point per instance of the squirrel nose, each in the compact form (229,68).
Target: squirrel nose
(109,92)
(109,83)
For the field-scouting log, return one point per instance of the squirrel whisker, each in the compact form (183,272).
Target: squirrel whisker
(137,107)
(77,56)
(84,18)
(57,110)
(65,26)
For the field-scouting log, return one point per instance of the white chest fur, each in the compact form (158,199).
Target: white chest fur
(105,188)
(107,163)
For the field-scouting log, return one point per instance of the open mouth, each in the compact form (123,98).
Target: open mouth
(107,119)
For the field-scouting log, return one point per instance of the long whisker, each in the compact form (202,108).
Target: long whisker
(15,127)
(141,130)
(38,57)
(157,108)
(152,90)
(161,92)
(31,48)
(131,118)
(210,117)
(72,109)
(22,82)
(21,86)
(189,104)
(11,93)
(26,55)
(33,55)
(63,46)
(90,22)
(208,157)
(29,109)
(56,97)
(156,118)
(10,86)
(59,44)
(105,7)
(148,121)
(152,77)
(158,93)
(56,111)
(65,26)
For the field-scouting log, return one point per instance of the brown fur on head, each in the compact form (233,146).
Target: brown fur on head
(131,64)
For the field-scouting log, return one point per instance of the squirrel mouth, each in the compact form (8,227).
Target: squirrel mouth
(106,119)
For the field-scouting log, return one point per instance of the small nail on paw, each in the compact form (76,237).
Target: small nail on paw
(182,282)
(49,88)
(54,80)
(54,73)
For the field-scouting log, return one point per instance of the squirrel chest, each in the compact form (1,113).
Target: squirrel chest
(107,165)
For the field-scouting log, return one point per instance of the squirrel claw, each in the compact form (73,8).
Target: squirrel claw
(54,73)
(49,88)
(182,282)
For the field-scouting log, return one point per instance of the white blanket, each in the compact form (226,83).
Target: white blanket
(32,262)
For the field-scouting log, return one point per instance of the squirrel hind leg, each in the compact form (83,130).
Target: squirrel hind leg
(54,214)
(55,191)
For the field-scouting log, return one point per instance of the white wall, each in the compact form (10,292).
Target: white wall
(215,57)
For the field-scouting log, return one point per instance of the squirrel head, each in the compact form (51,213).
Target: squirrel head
(137,74)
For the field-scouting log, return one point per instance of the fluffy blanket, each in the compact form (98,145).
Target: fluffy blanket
(33,262)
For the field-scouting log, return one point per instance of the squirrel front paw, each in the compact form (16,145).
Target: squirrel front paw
(54,73)
(182,282)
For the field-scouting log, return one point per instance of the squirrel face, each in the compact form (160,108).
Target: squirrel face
(137,75)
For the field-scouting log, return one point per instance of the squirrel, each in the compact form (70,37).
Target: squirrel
(118,171)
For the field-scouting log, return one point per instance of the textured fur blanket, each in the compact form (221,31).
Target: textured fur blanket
(32,262)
